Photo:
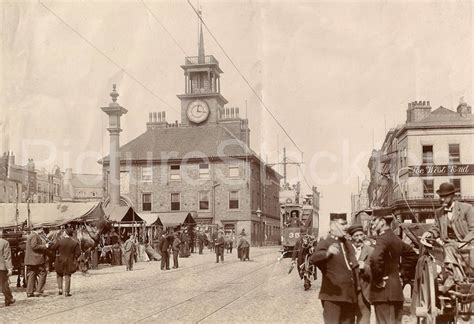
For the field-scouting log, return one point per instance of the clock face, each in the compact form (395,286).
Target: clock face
(198,111)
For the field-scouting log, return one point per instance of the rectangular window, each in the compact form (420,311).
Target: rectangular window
(204,200)
(146,174)
(233,200)
(175,172)
(234,171)
(203,171)
(175,201)
(428,188)
(427,154)
(146,202)
(454,154)
(457,185)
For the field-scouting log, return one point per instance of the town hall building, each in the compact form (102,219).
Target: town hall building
(204,165)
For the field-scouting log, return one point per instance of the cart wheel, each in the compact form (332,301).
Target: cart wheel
(425,300)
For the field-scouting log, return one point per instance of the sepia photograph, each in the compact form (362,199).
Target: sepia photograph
(236,161)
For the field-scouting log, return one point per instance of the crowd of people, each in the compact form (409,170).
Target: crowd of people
(359,275)
(68,255)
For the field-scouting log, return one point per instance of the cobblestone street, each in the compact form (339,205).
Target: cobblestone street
(199,291)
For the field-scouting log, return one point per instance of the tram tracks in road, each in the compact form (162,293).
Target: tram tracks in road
(232,301)
(213,289)
(156,284)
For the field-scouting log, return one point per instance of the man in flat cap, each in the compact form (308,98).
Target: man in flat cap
(363,253)
(454,226)
(333,256)
(389,254)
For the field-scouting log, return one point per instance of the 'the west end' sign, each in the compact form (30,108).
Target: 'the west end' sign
(441,170)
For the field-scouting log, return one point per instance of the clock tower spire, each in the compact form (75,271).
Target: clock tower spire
(202,100)
(201,53)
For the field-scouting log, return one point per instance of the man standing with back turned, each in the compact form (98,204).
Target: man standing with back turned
(389,254)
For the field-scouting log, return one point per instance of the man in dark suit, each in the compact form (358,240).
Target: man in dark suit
(6,269)
(454,226)
(363,253)
(334,256)
(163,247)
(68,251)
(201,238)
(390,257)
(219,246)
(303,247)
(35,262)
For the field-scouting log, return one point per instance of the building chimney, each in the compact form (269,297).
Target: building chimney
(417,110)
(463,109)
(157,121)
(31,165)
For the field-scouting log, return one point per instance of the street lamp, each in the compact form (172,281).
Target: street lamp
(259,215)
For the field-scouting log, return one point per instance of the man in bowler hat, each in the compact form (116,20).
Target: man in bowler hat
(163,247)
(334,256)
(66,260)
(453,227)
(35,261)
(391,256)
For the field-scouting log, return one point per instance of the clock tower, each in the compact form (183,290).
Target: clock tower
(202,101)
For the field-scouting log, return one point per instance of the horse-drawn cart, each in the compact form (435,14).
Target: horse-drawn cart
(432,299)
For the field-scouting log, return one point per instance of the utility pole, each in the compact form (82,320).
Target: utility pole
(285,162)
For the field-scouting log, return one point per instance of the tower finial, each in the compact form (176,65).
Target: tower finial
(114,94)
(201,54)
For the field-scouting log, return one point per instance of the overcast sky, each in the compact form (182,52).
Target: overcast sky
(335,74)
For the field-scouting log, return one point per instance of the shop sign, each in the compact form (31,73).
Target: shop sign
(434,170)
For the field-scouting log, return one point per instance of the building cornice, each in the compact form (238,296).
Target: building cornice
(410,126)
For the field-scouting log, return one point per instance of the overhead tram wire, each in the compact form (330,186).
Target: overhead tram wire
(244,78)
(304,178)
(163,26)
(108,57)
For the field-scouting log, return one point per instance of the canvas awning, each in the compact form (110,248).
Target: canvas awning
(50,214)
(176,219)
(151,219)
(121,214)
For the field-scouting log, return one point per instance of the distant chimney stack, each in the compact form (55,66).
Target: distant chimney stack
(157,120)
(417,110)
(463,108)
